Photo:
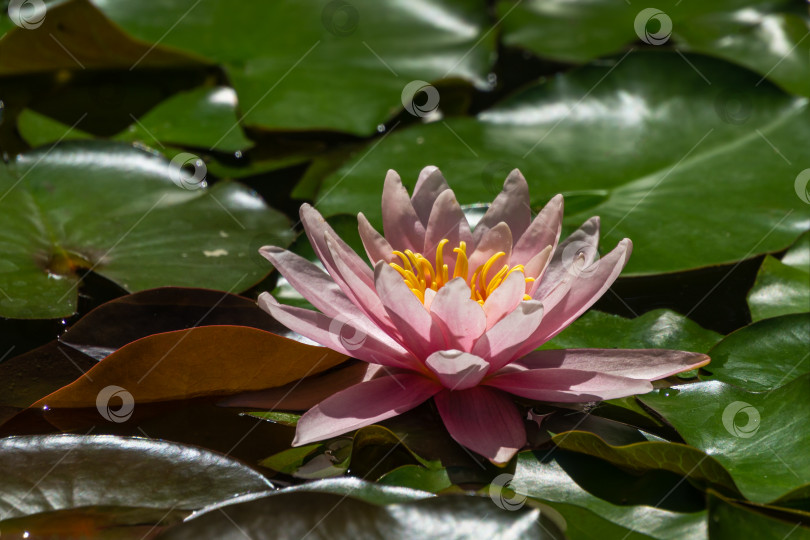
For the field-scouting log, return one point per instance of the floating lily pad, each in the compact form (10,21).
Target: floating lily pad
(130,216)
(204,118)
(56,472)
(582,488)
(755,34)
(278,55)
(734,519)
(765,355)
(657,329)
(347,511)
(783,287)
(757,437)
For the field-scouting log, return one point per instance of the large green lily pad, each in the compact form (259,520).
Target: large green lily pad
(279,55)
(764,355)
(44,473)
(639,143)
(783,287)
(616,504)
(201,118)
(763,36)
(758,437)
(128,215)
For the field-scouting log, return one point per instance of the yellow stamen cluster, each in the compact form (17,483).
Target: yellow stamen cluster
(420,274)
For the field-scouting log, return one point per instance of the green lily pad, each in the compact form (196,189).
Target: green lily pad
(731,519)
(128,215)
(762,35)
(43,473)
(204,118)
(299,513)
(757,437)
(580,487)
(783,287)
(657,329)
(764,355)
(651,147)
(644,456)
(278,55)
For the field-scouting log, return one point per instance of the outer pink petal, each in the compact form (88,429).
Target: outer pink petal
(401,225)
(429,186)
(484,420)
(567,385)
(586,289)
(364,294)
(377,247)
(313,283)
(499,344)
(498,238)
(316,227)
(446,220)
(359,341)
(505,298)
(457,370)
(544,231)
(416,327)
(511,206)
(645,364)
(364,404)
(582,242)
(461,319)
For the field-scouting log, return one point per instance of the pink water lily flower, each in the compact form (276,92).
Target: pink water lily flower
(455,314)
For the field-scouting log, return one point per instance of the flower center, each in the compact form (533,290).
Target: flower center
(419,274)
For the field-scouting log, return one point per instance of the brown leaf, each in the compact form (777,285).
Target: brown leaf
(202,361)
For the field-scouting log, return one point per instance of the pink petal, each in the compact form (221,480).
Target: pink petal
(377,247)
(412,320)
(499,345)
(305,393)
(544,231)
(446,220)
(505,298)
(511,206)
(364,404)
(316,227)
(567,385)
(401,225)
(586,289)
(536,268)
(352,337)
(457,370)
(645,364)
(313,283)
(429,186)
(461,319)
(498,238)
(484,420)
(364,294)
(583,242)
